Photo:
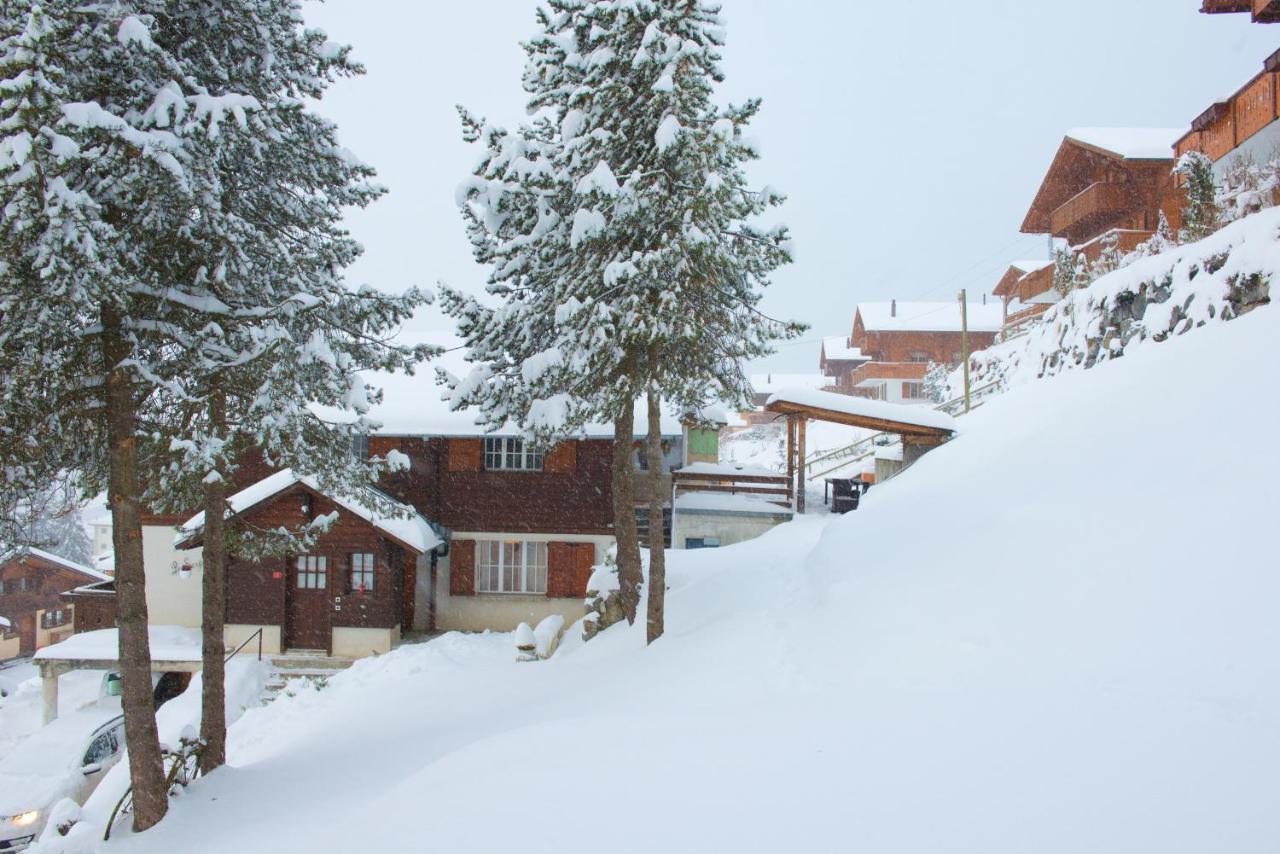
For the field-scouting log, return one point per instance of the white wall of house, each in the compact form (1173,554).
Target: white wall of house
(172,598)
(351,642)
(499,611)
(726,527)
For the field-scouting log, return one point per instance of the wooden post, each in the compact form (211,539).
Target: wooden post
(791,458)
(964,343)
(801,425)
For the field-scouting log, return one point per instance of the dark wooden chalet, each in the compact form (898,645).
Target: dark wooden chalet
(31,581)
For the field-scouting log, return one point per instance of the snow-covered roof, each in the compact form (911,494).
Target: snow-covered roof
(861,407)
(168,643)
(1131,143)
(837,347)
(728,470)
(415,531)
(929,316)
(61,561)
(769,383)
(4,623)
(1028,267)
(718,502)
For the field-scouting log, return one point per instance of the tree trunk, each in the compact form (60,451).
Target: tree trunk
(213,712)
(657,497)
(630,575)
(146,770)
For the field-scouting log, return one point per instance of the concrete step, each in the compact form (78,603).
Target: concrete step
(321,661)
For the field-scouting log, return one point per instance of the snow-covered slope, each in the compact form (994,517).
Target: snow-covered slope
(1153,299)
(1056,633)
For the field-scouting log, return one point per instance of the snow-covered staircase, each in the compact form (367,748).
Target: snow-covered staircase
(301,666)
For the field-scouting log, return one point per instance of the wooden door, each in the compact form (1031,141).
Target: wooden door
(307,623)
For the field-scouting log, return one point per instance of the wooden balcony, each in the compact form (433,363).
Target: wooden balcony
(1094,206)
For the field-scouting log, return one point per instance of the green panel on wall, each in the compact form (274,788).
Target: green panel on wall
(704,443)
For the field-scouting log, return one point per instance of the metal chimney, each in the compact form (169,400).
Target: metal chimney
(893,308)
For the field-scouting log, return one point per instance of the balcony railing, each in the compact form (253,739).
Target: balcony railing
(1093,204)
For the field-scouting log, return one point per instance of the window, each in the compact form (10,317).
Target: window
(313,572)
(510,453)
(101,749)
(55,617)
(913,391)
(702,542)
(359,572)
(918,356)
(511,567)
(360,447)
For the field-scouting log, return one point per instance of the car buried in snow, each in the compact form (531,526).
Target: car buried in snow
(66,759)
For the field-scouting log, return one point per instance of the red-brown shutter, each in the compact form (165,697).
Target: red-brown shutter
(584,563)
(562,459)
(462,568)
(560,570)
(465,454)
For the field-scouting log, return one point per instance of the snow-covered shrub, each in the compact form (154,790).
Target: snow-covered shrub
(604,597)
(1248,187)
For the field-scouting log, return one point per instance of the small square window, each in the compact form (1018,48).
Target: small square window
(360,572)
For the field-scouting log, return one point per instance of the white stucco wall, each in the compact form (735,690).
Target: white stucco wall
(9,647)
(502,612)
(729,528)
(172,600)
(358,643)
(234,634)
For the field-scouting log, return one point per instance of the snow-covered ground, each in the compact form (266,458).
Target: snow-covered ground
(21,710)
(1056,633)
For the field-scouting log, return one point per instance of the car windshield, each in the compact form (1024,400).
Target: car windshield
(53,749)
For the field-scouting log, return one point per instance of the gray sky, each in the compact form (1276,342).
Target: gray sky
(910,137)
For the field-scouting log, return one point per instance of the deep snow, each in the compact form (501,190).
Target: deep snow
(1056,633)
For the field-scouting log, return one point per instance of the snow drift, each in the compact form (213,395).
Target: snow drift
(1055,633)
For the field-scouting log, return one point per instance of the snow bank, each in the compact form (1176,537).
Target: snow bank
(987,657)
(1153,299)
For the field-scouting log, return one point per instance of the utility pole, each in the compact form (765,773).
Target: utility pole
(964,343)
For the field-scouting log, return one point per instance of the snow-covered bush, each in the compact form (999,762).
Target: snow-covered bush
(1248,187)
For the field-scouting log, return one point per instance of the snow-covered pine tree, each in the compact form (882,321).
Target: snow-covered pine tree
(264,331)
(90,192)
(1200,214)
(618,226)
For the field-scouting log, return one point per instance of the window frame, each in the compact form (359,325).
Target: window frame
(313,568)
(511,453)
(360,447)
(914,390)
(497,575)
(368,568)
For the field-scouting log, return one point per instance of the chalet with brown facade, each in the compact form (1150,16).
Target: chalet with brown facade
(838,360)
(898,340)
(1108,185)
(1025,291)
(1263,11)
(31,581)
(1241,126)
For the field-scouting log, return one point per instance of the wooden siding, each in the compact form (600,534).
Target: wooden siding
(569,569)
(462,568)
(258,592)
(1097,202)
(1228,124)
(45,581)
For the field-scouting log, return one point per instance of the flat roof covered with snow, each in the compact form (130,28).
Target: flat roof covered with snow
(861,411)
(929,316)
(1131,143)
(168,643)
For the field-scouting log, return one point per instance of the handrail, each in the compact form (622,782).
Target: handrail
(258,635)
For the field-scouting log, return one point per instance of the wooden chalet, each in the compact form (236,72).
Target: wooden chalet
(1263,11)
(1242,125)
(897,341)
(1025,291)
(1108,183)
(837,361)
(31,583)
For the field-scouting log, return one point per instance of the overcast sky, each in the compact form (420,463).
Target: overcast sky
(910,137)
